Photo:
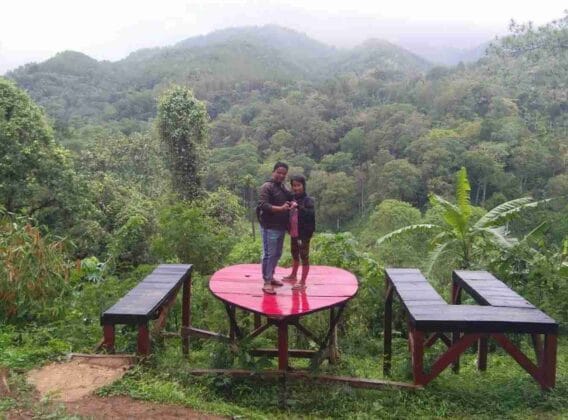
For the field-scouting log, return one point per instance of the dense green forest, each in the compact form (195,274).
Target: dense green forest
(94,186)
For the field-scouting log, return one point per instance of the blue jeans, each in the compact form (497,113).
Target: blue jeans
(272,243)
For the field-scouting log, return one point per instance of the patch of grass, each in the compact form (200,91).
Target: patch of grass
(504,391)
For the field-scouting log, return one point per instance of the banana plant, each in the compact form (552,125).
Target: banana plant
(460,236)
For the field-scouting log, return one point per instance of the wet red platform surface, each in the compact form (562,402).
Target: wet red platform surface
(241,285)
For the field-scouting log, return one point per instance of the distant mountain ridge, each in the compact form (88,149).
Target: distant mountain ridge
(74,86)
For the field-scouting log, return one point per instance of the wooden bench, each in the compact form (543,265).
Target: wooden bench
(429,313)
(487,290)
(151,299)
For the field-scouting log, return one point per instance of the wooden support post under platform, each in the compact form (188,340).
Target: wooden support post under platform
(282,345)
(332,347)
(234,331)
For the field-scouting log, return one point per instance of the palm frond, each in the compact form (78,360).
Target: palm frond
(499,236)
(506,211)
(452,214)
(420,228)
(537,231)
(435,255)
(463,190)
(442,236)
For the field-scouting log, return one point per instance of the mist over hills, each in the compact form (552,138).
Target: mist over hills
(74,86)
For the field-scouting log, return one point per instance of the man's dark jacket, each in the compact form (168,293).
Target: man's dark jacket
(273,194)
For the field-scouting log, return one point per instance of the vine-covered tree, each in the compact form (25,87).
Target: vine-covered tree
(182,124)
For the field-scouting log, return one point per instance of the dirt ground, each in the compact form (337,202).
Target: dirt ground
(72,383)
(127,408)
(77,378)
(92,407)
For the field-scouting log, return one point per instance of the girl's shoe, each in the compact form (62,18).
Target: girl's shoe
(268,289)
(299,286)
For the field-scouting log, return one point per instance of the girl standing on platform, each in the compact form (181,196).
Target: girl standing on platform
(302,227)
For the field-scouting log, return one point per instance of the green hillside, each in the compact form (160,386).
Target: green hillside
(75,89)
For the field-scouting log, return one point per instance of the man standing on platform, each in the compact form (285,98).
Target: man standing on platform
(273,216)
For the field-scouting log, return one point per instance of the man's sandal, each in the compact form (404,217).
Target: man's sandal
(290,278)
(275,282)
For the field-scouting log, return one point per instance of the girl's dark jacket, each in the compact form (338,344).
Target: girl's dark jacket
(306,216)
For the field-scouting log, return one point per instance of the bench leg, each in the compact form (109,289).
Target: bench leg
(417,356)
(108,338)
(143,339)
(549,361)
(387,336)
(482,347)
(456,336)
(456,300)
(186,315)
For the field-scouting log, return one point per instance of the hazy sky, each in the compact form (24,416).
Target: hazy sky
(110,29)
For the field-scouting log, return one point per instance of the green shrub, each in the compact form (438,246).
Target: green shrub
(188,234)
(33,269)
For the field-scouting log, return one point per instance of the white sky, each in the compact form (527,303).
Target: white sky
(110,29)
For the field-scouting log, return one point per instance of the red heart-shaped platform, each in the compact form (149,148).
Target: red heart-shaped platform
(241,285)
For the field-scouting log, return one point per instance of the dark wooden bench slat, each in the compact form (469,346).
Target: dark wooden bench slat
(488,290)
(141,303)
(429,311)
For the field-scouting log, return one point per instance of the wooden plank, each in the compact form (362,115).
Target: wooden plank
(306,376)
(473,318)
(299,353)
(486,289)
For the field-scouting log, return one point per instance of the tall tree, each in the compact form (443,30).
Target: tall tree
(36,176)
(182,124)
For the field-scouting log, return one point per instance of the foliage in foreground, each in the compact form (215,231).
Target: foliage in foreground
(33,270)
